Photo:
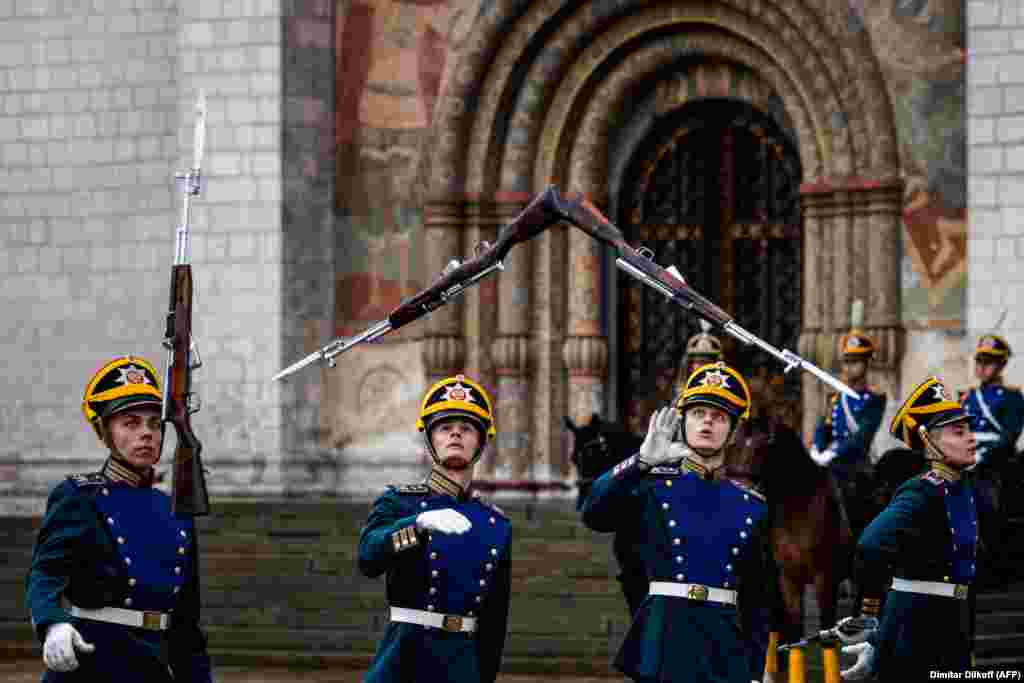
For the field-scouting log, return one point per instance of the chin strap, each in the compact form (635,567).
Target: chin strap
(933,452)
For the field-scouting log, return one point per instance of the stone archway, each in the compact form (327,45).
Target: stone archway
(532,102)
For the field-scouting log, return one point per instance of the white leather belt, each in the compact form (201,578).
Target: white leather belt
(454,623)
(151,621)
(693,591)
(940,588)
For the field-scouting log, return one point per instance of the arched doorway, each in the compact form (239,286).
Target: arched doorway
(714,189)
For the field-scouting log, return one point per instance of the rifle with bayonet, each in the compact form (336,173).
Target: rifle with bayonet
(841,632)
(188,488)
(639,264)
(456,278)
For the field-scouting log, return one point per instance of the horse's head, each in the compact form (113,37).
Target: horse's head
(597,447)
(590,448)
(896,466)
(768,451)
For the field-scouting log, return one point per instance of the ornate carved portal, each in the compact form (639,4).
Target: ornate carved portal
(715,191)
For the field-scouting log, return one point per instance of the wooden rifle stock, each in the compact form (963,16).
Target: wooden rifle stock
(189,497)
(537,217)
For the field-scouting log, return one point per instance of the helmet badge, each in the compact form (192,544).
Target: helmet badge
(458,392)
(715,378)
(940,392)
(132,375)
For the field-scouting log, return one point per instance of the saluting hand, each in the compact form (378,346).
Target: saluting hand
(655,448)
(59,649)
(446,521)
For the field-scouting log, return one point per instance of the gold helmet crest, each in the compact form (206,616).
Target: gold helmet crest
(928,406)
(123,383)
(717,385)
(457,396)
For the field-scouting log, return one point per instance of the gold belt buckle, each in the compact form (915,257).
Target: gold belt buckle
(452,623)
(697,592)
(960,592)
(151,621)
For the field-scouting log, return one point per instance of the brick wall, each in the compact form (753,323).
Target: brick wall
(96,115)
(995,78)
(87,144)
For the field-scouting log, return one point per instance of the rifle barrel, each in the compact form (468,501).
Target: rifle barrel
(338,346)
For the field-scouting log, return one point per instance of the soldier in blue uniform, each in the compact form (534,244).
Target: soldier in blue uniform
(446,552)
(701,538)
(842,438)
(925,542)
(113,588)
(997,417)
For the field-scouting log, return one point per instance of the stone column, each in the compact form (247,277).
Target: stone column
(444,349)
(879,208)
(511,356)
(483,220)
(816,289)
(585,350)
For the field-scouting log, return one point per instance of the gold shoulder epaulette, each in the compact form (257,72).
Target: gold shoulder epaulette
(411,489)
(88,479)
(752,490)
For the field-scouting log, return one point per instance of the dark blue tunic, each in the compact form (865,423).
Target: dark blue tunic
(849,428)
(692,530)
(461,574)
(108,544)
(928,532)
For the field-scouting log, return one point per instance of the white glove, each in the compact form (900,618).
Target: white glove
(823,458)
(446,521)
(768,677)
(59,649)
(864,666)
(655,448)
(853,630)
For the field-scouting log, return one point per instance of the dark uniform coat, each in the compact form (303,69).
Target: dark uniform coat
(455,574)
(107,543)
(692,529)
(927,533)
(997,418)
(851,446)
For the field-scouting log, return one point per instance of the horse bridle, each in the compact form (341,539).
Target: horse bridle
(600,441)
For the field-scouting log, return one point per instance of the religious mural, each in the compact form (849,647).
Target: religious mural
(920,45)
(394,58)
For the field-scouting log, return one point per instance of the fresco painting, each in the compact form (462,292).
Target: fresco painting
(394,58)
(920,47)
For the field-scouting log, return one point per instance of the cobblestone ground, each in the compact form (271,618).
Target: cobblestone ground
(30,670)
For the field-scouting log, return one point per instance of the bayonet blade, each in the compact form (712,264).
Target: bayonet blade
(199,140)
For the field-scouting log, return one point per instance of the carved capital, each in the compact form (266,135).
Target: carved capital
(443,355)
(889,343)
(511,355)
(585,356)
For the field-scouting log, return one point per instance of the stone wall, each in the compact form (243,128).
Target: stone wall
(96,116)
(995,75)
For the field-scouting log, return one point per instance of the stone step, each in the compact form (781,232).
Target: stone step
(999,645)
(1000,622)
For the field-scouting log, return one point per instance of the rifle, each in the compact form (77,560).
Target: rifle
(537,217)
(830,636)
(188,488)
(639,264)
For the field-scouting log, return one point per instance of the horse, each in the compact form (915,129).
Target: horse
(809,532)
(597,447)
